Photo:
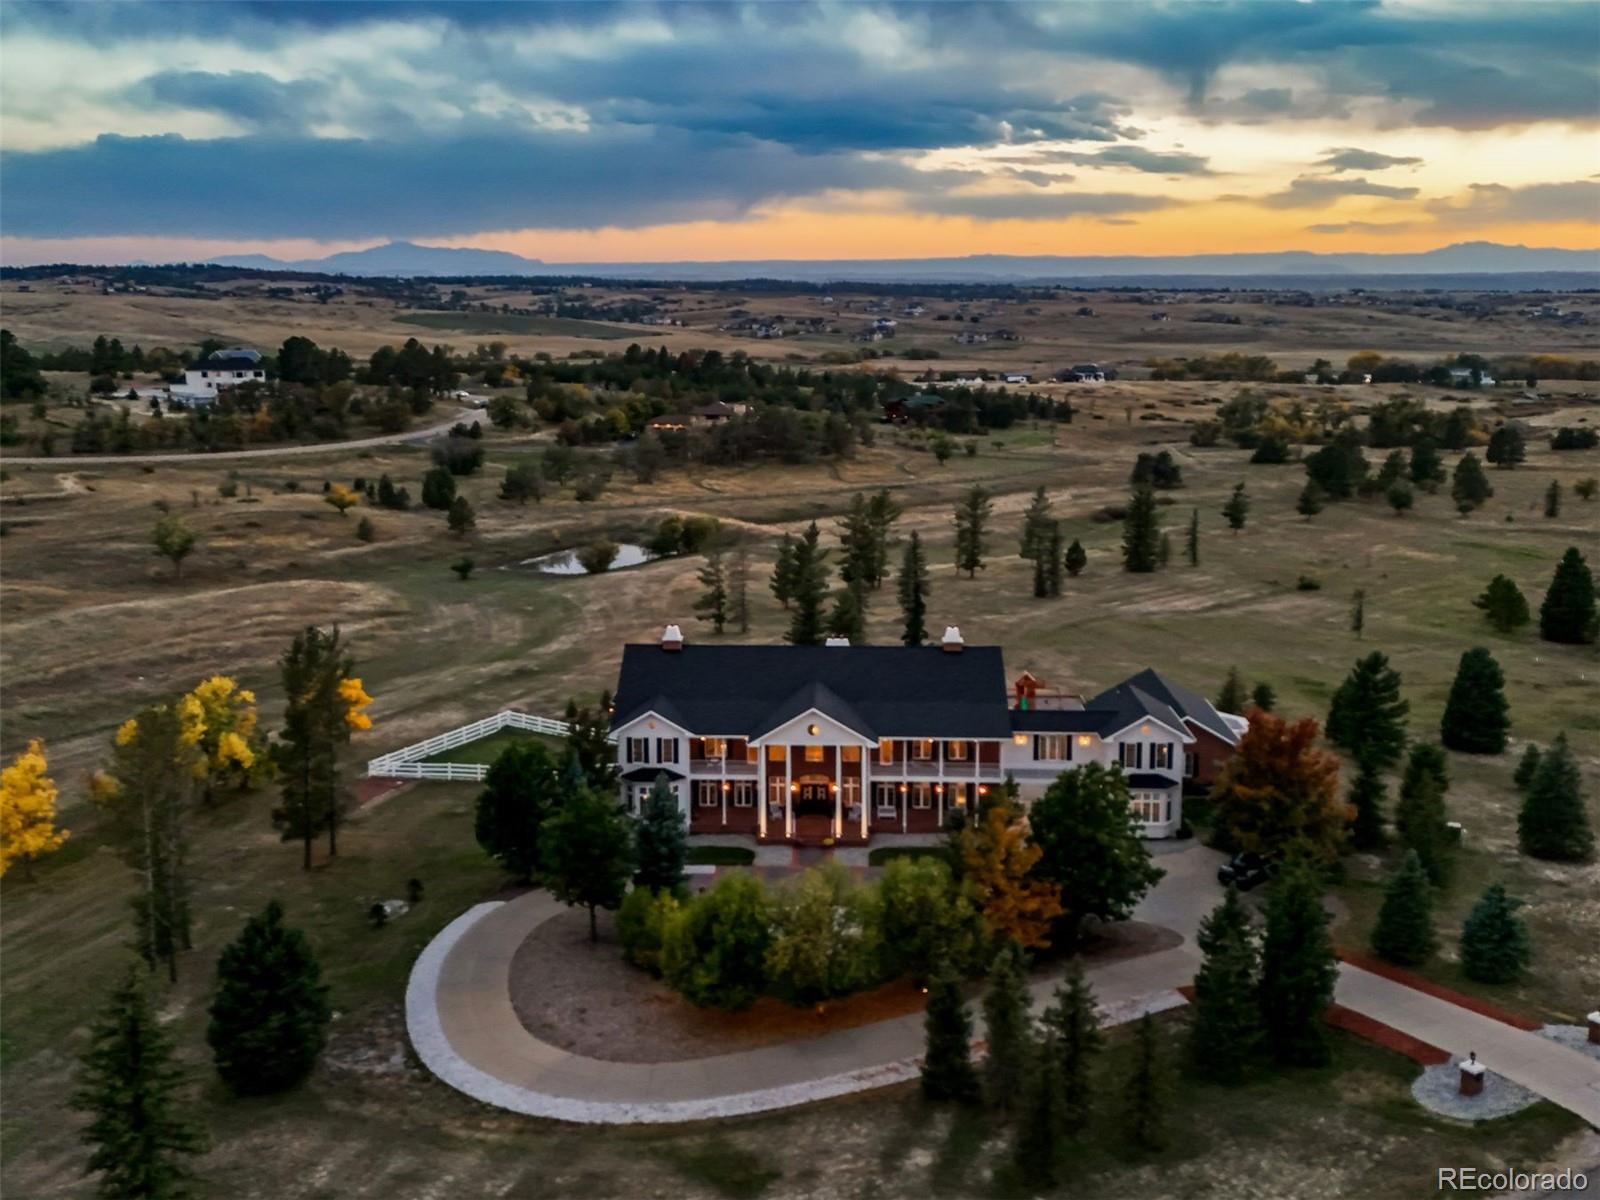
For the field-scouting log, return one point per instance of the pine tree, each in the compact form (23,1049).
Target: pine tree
(1226,1025)
(1475,716)
(858,545)
(1298,969)
(1568,612)
(947,1072)
(1163,551)
(1494,941)
(1075,559)
(1506,447)
(1037,1146)
(438,488)
(739,588)
(1404,932)
(1469,484)
(1192,541)
(1139,533)
(522,787)
(1145,1105)
(849,617)
(660,841)
(1231,698)
(1419,813)
(1041,577)
(270,1014)
(810,589)
(316,722)
(1552,499)
(1554,821)
(1401,498)
(783,576)
(1527,768)
(712,604)
(1073,1032)
(1367,796)
(1367,715)
(914,587)
(1052,573)
(883,512)
(1036,524)
(971,519)
(1007,1029)
(1311,500)
(461,518)
(1503,604)
(587,852)
(1358,611)
(1427,468)
(1237,509)
(1263,697)
(129,1087)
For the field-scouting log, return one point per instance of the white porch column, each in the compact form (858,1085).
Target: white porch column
(838,791)
(724,787)
(863,793)
(938,789)
(763,792)
(905,807)
(788,794)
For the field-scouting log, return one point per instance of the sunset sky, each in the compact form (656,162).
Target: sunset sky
(599,131)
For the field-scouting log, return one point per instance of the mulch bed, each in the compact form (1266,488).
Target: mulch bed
(1410,979)
(584,998)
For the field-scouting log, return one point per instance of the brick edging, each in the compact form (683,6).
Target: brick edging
(1369,1029)
(1410,979)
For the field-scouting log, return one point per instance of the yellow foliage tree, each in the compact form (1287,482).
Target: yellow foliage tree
(219,719)
(341,497)
(998,861)
(355,699)
(28,809)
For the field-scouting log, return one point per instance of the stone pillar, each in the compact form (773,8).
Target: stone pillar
(1594,1027)
(1472,1072)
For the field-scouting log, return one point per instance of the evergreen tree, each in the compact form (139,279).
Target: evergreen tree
(1367,716)
(1503,604)
(1475,716)
(914,587)
(1036,524)
(858,545)
(1401,498)
(1367,795)
(1231,698)
(882,512)
(1145,1105)
(1052,571)
(783,576)
(661,841)
(438,488)
(1311,500)
(1073,1032)
(1237,509)
(1427,468)
(1552,499)
(1358,611)
(317,720)
(1164,551)
(1469,484)
(739,588)
(270,1014)
(1494,941)
(971,520)
(1527,768)
(1506,447)
(1298,969)
(1263,697)
(1139,533)
(1568,612)
(1419,813)
(522,787)
(130,1088)
(1192,541)
(947,1072)
(1404,931)
(1075,558)
(587,852)
(1226,1025)
(1037,1146)
(1007,1028)
(461,518)
(848,618)
(1554,821)
(1041,577)
(713,603)
(810,589)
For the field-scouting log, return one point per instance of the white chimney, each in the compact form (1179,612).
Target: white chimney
(837,641)
(951,641)
(672,638)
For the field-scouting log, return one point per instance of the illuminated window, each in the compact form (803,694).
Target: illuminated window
(922,749)
(775,754)
(852,754)
(957,751)
(885,751)
(814,754)
(716,748)
(1161,754)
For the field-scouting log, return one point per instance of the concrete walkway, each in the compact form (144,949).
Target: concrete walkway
(462,1024)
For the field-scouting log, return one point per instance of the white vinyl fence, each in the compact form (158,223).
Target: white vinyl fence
(406,763)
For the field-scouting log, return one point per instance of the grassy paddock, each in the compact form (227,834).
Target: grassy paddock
(486,749)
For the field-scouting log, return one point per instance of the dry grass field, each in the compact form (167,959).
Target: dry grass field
(95,625)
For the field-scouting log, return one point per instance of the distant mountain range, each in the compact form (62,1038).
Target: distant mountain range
(1464,258)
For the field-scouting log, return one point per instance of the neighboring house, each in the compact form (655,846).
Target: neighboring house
(1462,377)
(913,408)
(1017,377)
(811,743)
(222,369)
(714,413)
(1083,373)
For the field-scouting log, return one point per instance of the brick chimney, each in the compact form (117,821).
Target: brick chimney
(951,642)
(672,638)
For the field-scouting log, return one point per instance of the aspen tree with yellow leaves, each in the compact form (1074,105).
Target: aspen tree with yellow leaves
(28,810)
(219,719)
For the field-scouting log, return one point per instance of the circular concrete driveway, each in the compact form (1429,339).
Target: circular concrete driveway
(462,1024)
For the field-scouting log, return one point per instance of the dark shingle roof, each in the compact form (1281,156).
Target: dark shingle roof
(1061,720)
(239,363)
(648,774)
(1146,779)
(879,691)
(1185,702)
(1127,703)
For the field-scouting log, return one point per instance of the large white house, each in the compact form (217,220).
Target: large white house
(811,743)
(219,370)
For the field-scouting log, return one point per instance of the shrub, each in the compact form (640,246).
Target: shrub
(597,557)
(714,950)
(641,926)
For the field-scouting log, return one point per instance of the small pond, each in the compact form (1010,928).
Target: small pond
(565,562)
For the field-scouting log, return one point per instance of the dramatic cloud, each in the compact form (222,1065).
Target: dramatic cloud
(1351,159)
(1494,203)
(1313,191)
(1373,227)
(1035,206)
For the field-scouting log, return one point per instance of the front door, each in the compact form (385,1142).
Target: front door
(814,801)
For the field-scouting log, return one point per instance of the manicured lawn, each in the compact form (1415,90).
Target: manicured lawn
(721,856)
(882,855)
(486,749)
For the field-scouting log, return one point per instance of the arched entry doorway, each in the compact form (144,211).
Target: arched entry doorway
(814,797)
